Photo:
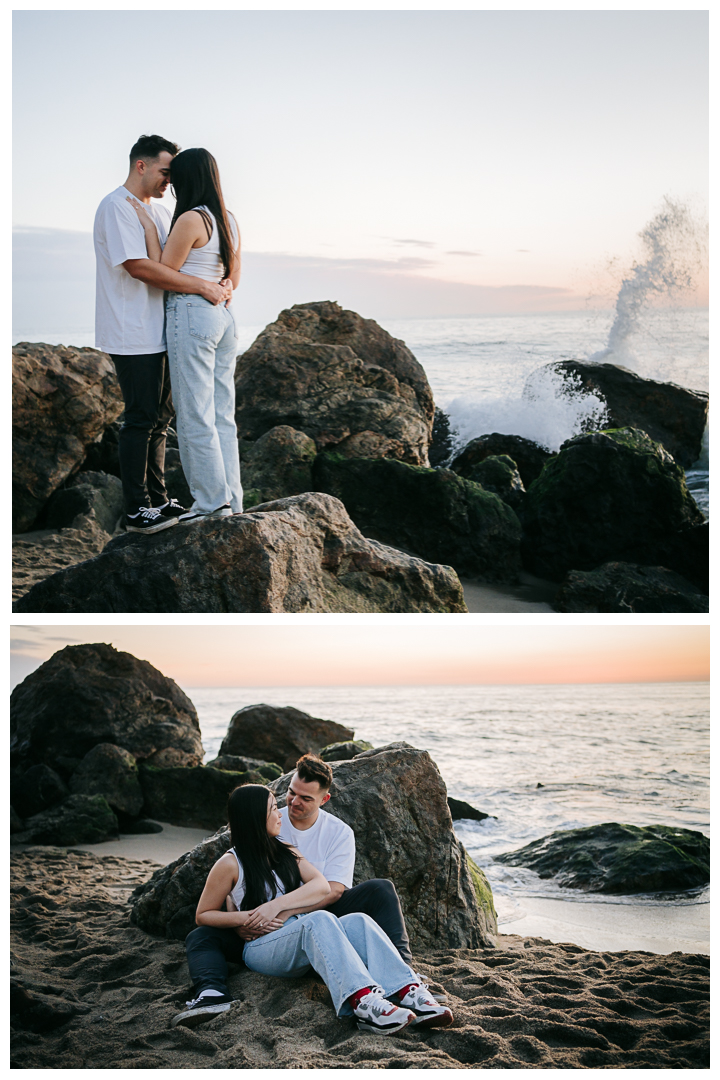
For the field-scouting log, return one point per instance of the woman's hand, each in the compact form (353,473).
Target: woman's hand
(152,240)
(260,917)
(145,220)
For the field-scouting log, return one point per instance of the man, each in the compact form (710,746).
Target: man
(329,844)
(130,326)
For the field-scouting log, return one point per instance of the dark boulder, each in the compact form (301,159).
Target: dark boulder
(281,734)
(463,811)
(395,800)
(63,399)
(334,375)
(277,465)
(90,694)
(607,496)
(671,415)
(528,456)
(93,495)
(195,798)
(36,789)
(622,859)
(112,772)
(432,512)
(499,475)
(103,455)
(344,751)
(618,586)
(300,554)
(39,554)
(442,443)
(138,826)
(233,763)
(81,819)
(16,824)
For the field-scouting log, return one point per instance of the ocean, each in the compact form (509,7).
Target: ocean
(536,758)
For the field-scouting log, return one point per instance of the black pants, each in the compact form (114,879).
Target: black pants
(145,385)
(209,948)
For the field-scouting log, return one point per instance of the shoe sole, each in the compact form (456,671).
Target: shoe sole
(151,528)
(198,1016)
(444,1019)
(214,516)
(371,1029)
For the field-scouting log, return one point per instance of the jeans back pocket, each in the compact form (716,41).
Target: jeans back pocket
(204,321)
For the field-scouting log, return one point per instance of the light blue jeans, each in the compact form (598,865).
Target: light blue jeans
(202,350)
(348,953)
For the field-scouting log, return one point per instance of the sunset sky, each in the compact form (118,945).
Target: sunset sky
(376,655)
(405,163)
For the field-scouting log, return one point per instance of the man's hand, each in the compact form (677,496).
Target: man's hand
(216,294)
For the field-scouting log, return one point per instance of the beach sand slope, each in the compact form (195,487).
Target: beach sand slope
(92,991)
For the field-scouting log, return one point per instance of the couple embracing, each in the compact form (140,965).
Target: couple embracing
(163,312)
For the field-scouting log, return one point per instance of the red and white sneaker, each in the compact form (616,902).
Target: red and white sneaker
(374,1013)
(427,1010)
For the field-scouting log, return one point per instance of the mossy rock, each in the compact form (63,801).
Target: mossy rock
(484,895)
(80,819)
(194,797)
(344,751)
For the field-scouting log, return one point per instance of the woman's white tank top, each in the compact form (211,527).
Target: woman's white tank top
(238,891)
(205,262)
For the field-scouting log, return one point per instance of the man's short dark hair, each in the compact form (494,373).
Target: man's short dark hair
(149,147)
(310,767)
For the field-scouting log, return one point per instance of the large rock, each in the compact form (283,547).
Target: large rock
(299,554)
(607,496)
(279,734)
(343,751)
(277,465)
(39,554)
(334,375)
(81,819)
(670,414)
(36,789)
(237,763)
(432,512)
(90,694)
(528,456)
(196,798)
(395,800)
(63,399)
(112,772)
(499,474)
(613,858)
(87,495)
(627,587)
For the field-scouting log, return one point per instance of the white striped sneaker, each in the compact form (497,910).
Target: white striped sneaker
(374,1013)
(427,1010)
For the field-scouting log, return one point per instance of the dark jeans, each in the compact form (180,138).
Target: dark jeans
(145,385)
(209,948)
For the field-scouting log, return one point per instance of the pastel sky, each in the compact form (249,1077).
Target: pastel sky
(375,655)
(405,163)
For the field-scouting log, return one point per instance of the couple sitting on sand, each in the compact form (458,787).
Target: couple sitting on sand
(281,901)
(189,339)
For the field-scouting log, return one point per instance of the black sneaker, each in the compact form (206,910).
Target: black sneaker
(148,520)
(171,509)
(202,1009)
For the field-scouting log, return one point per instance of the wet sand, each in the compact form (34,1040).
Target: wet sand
(531,594)
(93,991)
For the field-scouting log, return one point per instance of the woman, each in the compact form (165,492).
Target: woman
(202,340)
(272,887)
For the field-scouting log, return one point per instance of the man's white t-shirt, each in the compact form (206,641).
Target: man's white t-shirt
(329,845)
(129,315)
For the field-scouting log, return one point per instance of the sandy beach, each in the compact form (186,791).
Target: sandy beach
(92,991)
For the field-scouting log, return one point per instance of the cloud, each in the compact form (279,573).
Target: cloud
(416,243)
(473,253)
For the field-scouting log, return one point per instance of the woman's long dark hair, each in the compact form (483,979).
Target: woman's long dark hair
(259,853)
(194,176)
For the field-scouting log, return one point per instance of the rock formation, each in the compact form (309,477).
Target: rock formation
(112,772)
(268,770)
(617,586)
(296,554)
(195,798)
(63,398)
(463,811)
(343,751)
(279,464)
(607,496)
(395,800)
(80,819)
(613,858)
(281,734)
(528,456)
(90,694)
(432,512)
(334,375)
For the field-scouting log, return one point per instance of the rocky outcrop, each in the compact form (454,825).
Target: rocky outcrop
(612,858)
(463,811)
(432,512)
(528,456)
(112,772)
(63,398)
(195,798)
(268,770)
(301,554)
(277,465)
(344,751)
(39,554)
(395,800)
(617,586)
(36,789)
(281,734)
(671,415)
(499,475)
(90,694)
(86,496)
(607,496)
(442,441)
(81,819)
(334,375)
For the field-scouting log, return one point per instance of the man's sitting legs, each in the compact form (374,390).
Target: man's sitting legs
(378,899)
